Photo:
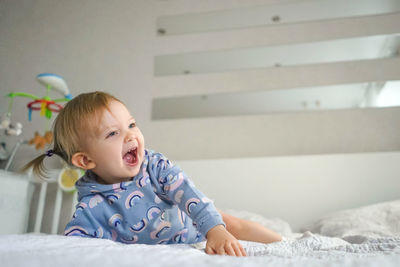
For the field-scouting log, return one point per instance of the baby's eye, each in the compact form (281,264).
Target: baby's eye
(111,134)
(132,125)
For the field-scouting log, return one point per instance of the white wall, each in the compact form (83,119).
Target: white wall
(298,189)
(94,45)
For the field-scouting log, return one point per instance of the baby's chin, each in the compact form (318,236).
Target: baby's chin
(134,172)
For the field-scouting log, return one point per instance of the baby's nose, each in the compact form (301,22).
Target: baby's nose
(128,138)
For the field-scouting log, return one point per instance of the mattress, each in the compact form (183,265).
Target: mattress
(367,236)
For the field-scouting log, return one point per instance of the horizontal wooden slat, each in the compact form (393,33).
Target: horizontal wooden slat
(282,34)
(313,132)
(270,14)
(340,50)
(178,7)
(278,78)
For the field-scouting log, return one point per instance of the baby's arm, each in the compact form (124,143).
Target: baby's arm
(84,224)
(249,230)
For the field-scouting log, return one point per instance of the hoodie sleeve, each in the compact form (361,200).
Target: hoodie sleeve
(84,224)
(173,185)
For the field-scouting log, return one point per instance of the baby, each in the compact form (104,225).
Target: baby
(133,195)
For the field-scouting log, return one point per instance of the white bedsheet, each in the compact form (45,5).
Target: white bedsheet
(302,250)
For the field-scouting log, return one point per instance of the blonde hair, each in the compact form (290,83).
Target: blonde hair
(79,114)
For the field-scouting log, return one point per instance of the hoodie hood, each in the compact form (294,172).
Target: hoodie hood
(87,185)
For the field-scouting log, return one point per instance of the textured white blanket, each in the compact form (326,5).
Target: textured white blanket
(367,236)
(304,250)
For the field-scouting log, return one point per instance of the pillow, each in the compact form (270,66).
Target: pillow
(275,224)
(356,225)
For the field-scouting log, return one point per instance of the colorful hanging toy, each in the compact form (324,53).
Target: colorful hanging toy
(46,105)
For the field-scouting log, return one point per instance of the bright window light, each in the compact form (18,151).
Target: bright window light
(389,96)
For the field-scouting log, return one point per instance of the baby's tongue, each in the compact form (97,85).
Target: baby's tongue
(129,158)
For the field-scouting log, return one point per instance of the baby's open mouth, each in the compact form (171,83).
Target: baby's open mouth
(131,157)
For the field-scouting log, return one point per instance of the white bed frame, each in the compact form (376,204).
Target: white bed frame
(57,216)
(298,189)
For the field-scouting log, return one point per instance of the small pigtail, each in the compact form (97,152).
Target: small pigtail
(37,166)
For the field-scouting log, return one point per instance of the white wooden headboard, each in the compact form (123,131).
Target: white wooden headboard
(298,189)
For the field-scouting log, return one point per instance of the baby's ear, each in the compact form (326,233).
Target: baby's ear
(83,161)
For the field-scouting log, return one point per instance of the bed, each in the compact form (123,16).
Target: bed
(348,238)
(360,235)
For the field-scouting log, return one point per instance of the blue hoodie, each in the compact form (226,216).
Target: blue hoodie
(160,205)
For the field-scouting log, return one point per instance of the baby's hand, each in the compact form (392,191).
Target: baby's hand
(220,241)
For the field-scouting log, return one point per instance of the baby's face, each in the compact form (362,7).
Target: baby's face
(118,146)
